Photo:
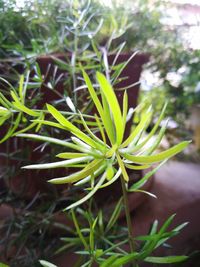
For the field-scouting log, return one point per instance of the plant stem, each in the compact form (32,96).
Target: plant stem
(128,218)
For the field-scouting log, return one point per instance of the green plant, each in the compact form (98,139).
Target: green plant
(103,159)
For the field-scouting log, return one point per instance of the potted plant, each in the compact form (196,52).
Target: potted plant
(100,161)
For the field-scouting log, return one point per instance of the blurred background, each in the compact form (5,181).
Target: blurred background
(37,33)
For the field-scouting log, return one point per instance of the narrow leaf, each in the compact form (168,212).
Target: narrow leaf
(114,106)
(91,167)
(89,195)
(166,260)
(158,157)
(58,164)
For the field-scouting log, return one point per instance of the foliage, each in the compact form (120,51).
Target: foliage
(102,159)
(92,148)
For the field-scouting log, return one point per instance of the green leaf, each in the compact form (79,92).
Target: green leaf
(78,230)
(4,101)
(100,129)
(46,264)
(116,176)
(111,98)
(152,232)
(93,94)
(50,140)
(70,155)
(157,141)
(101,145)
(122,67)
(99,107)
(139,128)
(49,123)
(125,259)
(152,132)
(158,157)
(146,177)
(21,85)
(92,236)
(59,164)
(88,170)
(110,171)
(94,174)
(115,214)
(32,125)
(89,195)
(11,130)
(123,169)
(108,115)
(109,261)
(125,108)
(23,108)
(69,126)
(151,245)
(4,111)
(137,167)
(166,260)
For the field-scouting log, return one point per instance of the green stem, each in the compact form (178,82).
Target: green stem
(128,218)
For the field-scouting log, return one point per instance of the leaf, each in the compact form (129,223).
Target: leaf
(115,214)
(139,128)
(70,155)
(49,123)
(4,111)
(158,157)
(123,169)
(64,122)
(58,164)
(88,170)
(114,106)
(99,141)
(4,101)
(143,180)
(84,242)
(86,148)
(109,261)
(123,66)
(92,236)
(70,104)
(50,140)
(12,129)
(21,85)
(137,167)
(93,94)
(144,192)
(32,125)
(46,264)
(110,171)
(95,174)
(116,176)
(152,232)
(100,129)
(108,115)
(152,132)
(89,195)
(150,246)
(125,108)
(125,259)
(99,107)
(157,141)
(166,260)
(23,108)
